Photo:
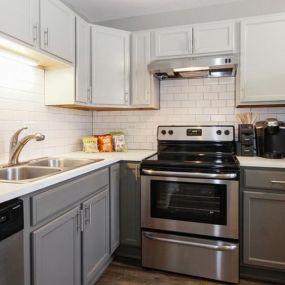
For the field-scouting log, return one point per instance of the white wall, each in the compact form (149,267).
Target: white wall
(22,101)
(183,102)
(239,9)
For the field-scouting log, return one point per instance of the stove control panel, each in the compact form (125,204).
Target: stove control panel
(196,133)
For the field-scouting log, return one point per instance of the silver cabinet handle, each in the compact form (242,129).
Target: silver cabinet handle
(78,220)
(88,214)
(223,247)
(190,42)
(88,95)
(278,182)
(137,173)
(35,33)
(86,208)
(81,220)
(190,174)
(126,96)
(46,37)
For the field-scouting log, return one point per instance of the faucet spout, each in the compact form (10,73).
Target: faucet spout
(16,146)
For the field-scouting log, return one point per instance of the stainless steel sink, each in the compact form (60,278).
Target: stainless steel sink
(25,174)
(41,168)
(63,163)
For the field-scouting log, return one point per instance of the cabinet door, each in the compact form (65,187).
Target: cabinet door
(115,206)
(19,19)
(262,70)
(56,251)
(173,42)
(57,29)
(214,37)
(130,205)
(264,231)
(110,66)
(96,239)
(140,74)
(83,64)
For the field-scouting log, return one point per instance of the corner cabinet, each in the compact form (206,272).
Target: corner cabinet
(263,192)
(83,58)
(110,67)
(19,19)
(114,207)
(262,73)
(57,26)
(130,208)
(145,88)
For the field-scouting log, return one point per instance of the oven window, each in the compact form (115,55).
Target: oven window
(193,202)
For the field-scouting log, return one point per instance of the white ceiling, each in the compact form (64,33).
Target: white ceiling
(102,10)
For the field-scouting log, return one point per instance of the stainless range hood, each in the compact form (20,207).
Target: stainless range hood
(193,67)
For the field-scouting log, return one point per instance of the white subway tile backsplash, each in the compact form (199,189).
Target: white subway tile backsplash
(22,103)
(183,102)
(211,96)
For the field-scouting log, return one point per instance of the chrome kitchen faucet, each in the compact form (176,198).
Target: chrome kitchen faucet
(17,146)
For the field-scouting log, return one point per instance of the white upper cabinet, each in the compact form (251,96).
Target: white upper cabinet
(218,37)
(262,71)
(110,66)
(19,19)
(143,93)
(173,42)
(83,64)
(57,24)
(214,37)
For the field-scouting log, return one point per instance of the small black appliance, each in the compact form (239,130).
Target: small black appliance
(270,138)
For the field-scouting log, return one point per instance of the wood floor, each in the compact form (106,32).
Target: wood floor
(120,273)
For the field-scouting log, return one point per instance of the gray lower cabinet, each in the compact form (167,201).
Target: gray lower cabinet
(263,218)
(95,236)
(130,205)
(114,207)
(57,251)
(70,231)
(264,230)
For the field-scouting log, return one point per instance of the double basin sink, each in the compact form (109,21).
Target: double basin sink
(41,168)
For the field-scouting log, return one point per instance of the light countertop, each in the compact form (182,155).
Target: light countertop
(256,161)
(10,191)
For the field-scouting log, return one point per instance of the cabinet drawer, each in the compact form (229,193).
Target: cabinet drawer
(179,254)
(266,179)
(54,200)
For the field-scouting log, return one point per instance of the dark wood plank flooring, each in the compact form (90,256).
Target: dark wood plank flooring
(119,273)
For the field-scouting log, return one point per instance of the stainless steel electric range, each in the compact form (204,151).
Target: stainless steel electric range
(190,203)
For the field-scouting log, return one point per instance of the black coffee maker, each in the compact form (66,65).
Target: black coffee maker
(270,138)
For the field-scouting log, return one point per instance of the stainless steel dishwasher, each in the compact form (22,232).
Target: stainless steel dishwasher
(11,243)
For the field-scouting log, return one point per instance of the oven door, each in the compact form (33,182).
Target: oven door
(190,205)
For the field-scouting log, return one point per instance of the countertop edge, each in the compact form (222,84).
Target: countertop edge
(9,191)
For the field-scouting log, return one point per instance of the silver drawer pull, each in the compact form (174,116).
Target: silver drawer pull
(226,247)
(278,182)
(190,174)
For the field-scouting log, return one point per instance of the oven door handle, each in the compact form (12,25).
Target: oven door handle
(218,247)
(190,174)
